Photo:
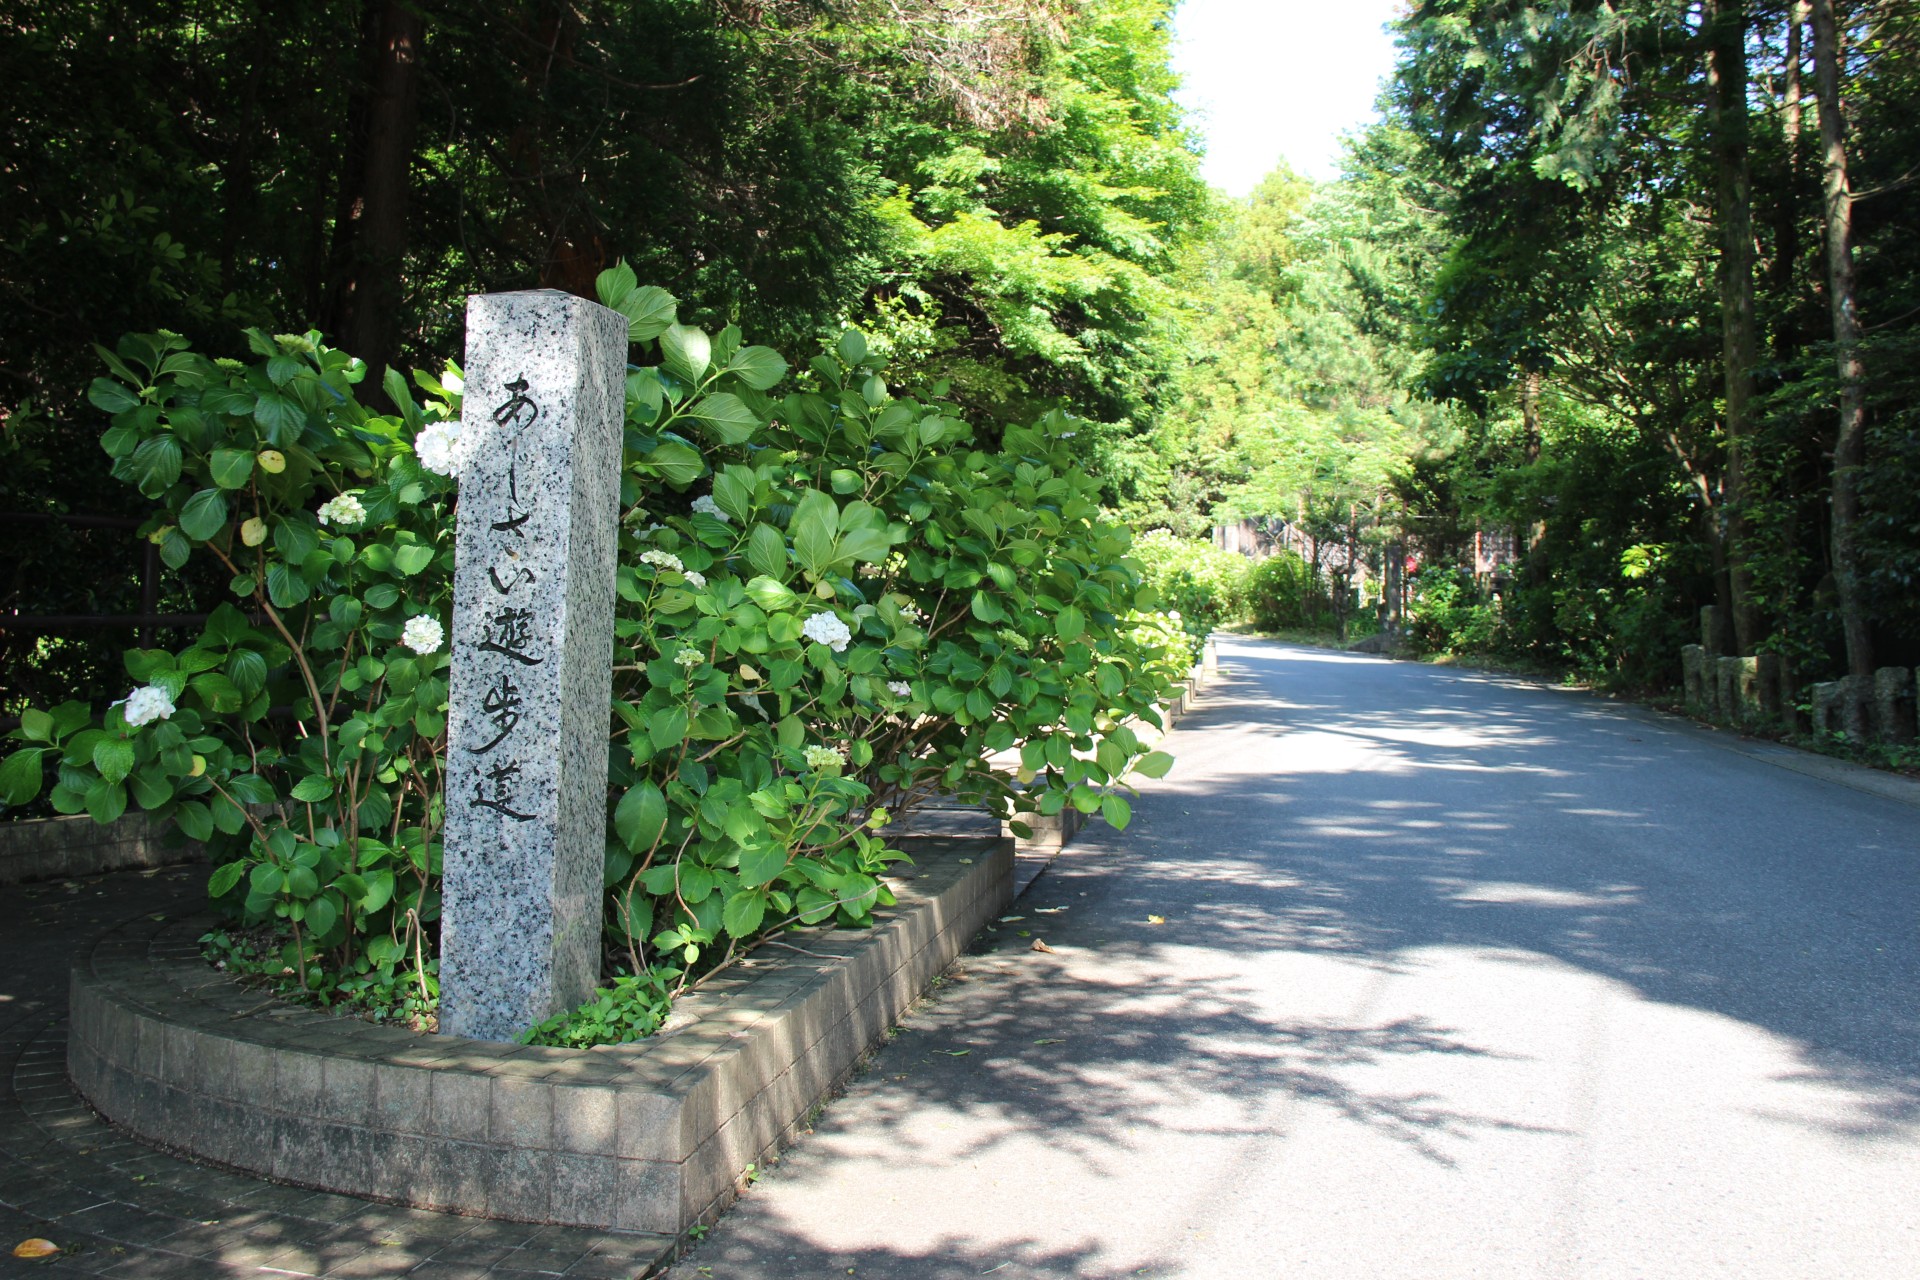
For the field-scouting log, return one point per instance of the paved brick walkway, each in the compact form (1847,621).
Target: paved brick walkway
(119,1208)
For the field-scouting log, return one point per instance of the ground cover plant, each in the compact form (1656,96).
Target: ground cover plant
(834,603)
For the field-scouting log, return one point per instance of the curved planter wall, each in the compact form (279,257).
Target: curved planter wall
(647,1137)
(55,848)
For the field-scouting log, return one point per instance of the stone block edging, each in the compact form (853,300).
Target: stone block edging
(651,1136)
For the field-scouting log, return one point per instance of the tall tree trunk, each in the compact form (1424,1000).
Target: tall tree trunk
(1790,119)
(1722,591)
(1786,228)
(370,234)
(1850,441)
(1530,414)
(1727,114)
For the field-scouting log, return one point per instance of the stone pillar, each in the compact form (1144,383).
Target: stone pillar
(1824,696)
(1729,676)
(1893,705)
(1856,709)
(1746,691)
(1693,676)
(1839,707)
(531,686)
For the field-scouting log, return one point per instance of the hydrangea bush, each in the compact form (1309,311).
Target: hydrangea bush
(833,604)
(300,737)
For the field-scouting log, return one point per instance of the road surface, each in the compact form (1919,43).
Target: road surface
(1404,972)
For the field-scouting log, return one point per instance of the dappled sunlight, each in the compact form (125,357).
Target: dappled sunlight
(1506,893)
(1447,735)
(1571,861)
(1849,1104)
(1396,938)
(879,1251)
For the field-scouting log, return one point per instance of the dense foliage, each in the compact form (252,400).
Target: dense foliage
(1637,305)
(995,190)
(861,605)
(1610,316)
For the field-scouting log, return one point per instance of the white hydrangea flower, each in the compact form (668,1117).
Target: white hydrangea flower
(694,577)
(829,630)
(146,704)
(423,634)
(343,510)
(899,688)
(663,560)
(435,445)
(1174,614)
(824,760)
(704,505)
(689,658)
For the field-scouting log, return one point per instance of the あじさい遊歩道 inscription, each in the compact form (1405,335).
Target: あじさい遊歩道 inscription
(526,786)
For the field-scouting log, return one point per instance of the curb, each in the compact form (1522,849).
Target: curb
(654,1136)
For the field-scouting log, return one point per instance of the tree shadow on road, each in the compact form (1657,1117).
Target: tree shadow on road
(1428,808)
(1128,1057)
(768,1252)
(1483,816)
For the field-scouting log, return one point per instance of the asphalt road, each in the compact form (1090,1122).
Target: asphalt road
(1404,972)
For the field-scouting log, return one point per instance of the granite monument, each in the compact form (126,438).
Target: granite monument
(527,728)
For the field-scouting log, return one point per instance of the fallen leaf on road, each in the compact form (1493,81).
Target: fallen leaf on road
(954,1053)
(1040,944)
(1049,1041)
(1010,919)
(1156,919)
(1048,911)
(35,1248)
